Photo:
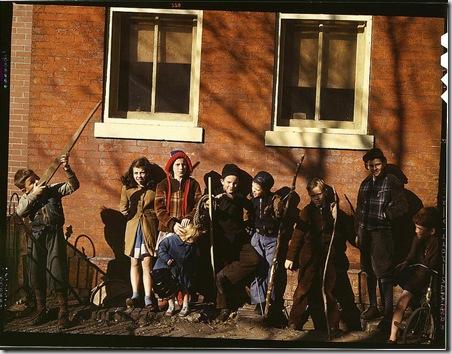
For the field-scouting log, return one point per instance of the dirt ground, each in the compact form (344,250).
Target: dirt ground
(120,327)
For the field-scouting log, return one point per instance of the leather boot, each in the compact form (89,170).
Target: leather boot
(63,315)
(40,315)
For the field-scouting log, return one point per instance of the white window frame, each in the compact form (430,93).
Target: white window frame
(341,135)
(162,126)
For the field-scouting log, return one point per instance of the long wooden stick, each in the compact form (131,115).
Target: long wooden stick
(49,173)
(274,265)
(325,302)
(212,255)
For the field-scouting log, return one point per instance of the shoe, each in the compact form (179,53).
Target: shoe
(132,302)
(223,315)
(40,317)
(184,312)
(170,312)
(260,308)
(390,341)
(371,313)
(63,320)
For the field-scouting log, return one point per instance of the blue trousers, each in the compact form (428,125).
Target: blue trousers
(265,246)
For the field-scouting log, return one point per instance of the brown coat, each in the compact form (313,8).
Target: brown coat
(137,204)
(167,220)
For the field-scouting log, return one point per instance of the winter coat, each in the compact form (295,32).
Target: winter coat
(311,237)
(167,219)
(380,202)
(184,255)
(137,204)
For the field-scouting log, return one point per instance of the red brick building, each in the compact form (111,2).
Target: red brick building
(255,88)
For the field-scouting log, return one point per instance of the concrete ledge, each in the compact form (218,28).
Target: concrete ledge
(148,132)
(319,140)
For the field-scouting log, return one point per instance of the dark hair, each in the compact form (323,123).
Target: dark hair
(128,179)
(21,176)
(427,217)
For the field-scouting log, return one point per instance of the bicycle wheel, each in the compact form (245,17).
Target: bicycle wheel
(420,327)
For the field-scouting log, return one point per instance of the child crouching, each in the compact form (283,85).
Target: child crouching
(177,254)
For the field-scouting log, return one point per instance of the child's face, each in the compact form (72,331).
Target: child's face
(375,167)
(317,196)
(230,184)
(422,231)
(256,190)
(29,184)
(179,168)
(139,175)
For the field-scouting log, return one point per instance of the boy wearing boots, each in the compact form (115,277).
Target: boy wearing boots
(267,212)
(235,259)
(308,249)
(47,246)
(380,202)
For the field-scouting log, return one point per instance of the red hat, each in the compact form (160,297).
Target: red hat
(178,154)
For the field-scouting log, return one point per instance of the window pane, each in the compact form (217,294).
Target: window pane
(338,75)
(131,69)
(173,68)
(299,68)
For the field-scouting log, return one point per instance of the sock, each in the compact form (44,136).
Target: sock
(170,305)
(135,295)
(148,300)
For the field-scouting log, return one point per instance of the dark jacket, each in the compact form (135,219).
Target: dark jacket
(380,202)
(312,235)
(266,214)
(231,217)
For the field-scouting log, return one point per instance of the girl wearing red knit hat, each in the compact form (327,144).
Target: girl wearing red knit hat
(176,199)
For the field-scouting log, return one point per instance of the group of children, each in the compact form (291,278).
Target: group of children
(160,218)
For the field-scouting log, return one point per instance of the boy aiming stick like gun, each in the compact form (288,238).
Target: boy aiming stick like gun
(275,261)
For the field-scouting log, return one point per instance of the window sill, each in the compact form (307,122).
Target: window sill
(319,140)
(148,132)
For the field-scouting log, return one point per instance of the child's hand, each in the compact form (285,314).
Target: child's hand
(64,160)
(185,222)
(170,262)
(288,264)
(37,189)
(179,230)
(334,210)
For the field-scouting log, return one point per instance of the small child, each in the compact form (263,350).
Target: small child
(179,253)
(425,250)
(267,208)
(47,246)
(137,204)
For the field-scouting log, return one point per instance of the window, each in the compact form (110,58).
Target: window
(152,79)
(322,82)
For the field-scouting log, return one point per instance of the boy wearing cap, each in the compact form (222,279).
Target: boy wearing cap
(235,258)
(267,211)
(425,249)
(380,201)
(47,246)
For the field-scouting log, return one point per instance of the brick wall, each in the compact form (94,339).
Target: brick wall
(20,91)
(237,67)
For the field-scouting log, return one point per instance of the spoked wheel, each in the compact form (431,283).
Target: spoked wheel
(420,327)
